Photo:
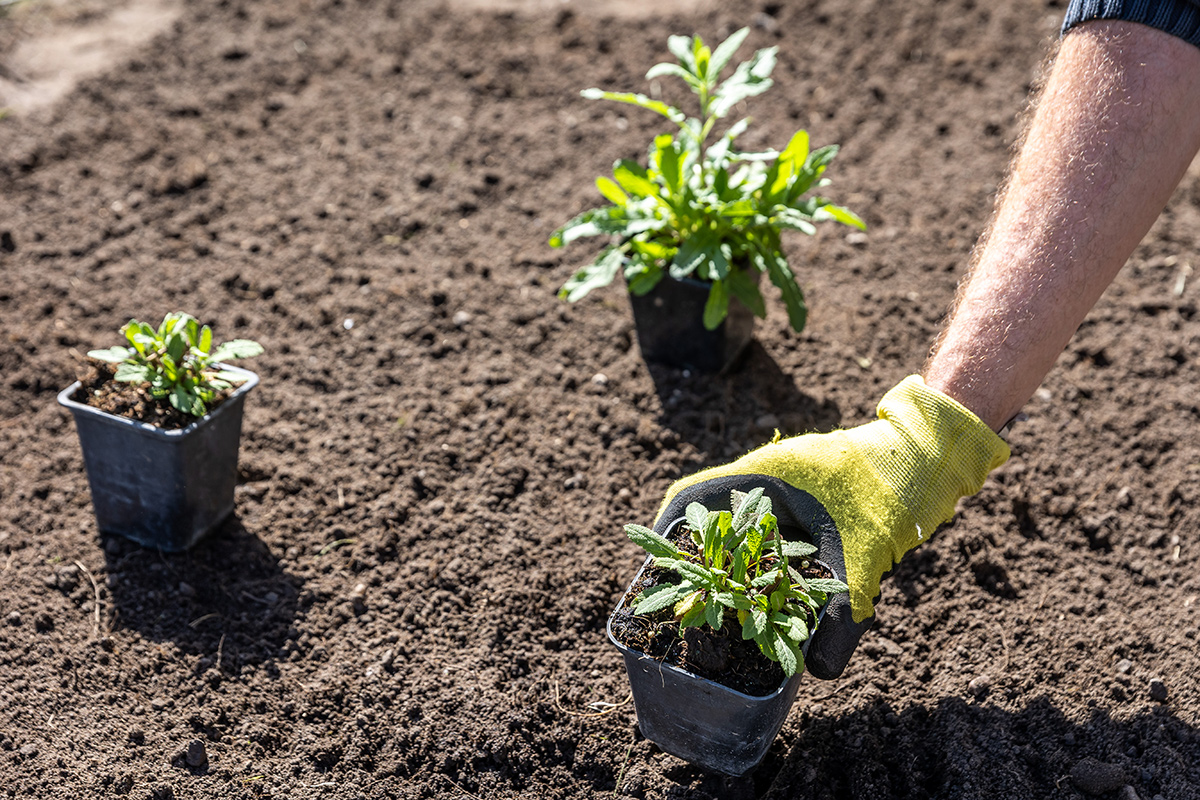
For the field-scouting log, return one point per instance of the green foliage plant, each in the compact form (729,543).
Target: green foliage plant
(178,361)
(706,211)
(741,564)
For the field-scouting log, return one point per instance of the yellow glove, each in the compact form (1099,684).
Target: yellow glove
(866,495)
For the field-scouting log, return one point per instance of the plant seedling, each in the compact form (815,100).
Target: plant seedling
(741,564)
(178,361)
(706,211)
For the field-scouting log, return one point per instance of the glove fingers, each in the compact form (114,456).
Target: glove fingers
(835,640)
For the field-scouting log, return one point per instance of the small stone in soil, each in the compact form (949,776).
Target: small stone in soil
(1124,665)
(1158,690)
(1095,777)
(980,685)
(197,756)
(14,618)
(1128,793)
(29,751)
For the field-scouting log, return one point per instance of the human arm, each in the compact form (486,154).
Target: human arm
(1116,127)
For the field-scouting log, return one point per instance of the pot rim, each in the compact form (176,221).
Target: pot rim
(625,649)
(145,428)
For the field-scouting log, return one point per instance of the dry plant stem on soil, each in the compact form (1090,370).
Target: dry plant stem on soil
(96,593)
(588,714)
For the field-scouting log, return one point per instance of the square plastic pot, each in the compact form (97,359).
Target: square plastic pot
(161,488)
(697,719)
(670,327)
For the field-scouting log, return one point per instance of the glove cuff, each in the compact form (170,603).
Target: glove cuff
(950,453)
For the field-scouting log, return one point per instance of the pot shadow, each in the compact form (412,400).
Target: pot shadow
(965,749)
(741,407)
(227,599)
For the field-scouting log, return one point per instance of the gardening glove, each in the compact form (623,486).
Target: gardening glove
(867,495)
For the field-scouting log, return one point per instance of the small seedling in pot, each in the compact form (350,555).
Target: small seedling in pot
(706,210)
(178,360)
(740,563)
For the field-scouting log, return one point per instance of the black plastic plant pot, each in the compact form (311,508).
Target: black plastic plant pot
(164,489)
(700,720)
(670,327)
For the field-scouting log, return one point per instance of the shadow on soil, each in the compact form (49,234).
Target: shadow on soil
(227,597)
(957,749)
(749,401)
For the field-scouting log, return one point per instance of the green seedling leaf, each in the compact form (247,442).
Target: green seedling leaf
(134,373)
(225,375)
(766,579)
(745,509)
(656,599)
(714,614)
(827,585)
(657,106)
(788,655)
(651,542)
(798,549)
(724,52)
(717,306)
(667,161)
(611,191)
(593,276)
(694,572)
(667,69)
(113,355)
(238,348)
(696,515)
(631,177)
(689,604)
(681,47)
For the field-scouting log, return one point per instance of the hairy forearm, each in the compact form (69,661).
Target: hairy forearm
(1115,129)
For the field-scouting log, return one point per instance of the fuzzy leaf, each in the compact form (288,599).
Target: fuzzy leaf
(785,281)
(651,542)
(798,549)
(744,512)
(690,607)
(827,585)
(766,579)
(788,655)
(696,515)
(673,70)
(236,348)
(657,106)
(681,47)
(724,52)
(631,177)
(113,355)
(717,306)
(656,598)
(599,273)
(134,373)
(687,569)
(714,614)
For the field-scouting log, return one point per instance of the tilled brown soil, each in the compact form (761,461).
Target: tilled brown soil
(410,601)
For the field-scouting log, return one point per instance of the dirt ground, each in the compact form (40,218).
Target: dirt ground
(410,600)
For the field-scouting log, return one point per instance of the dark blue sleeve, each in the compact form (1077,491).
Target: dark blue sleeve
(1179,18)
